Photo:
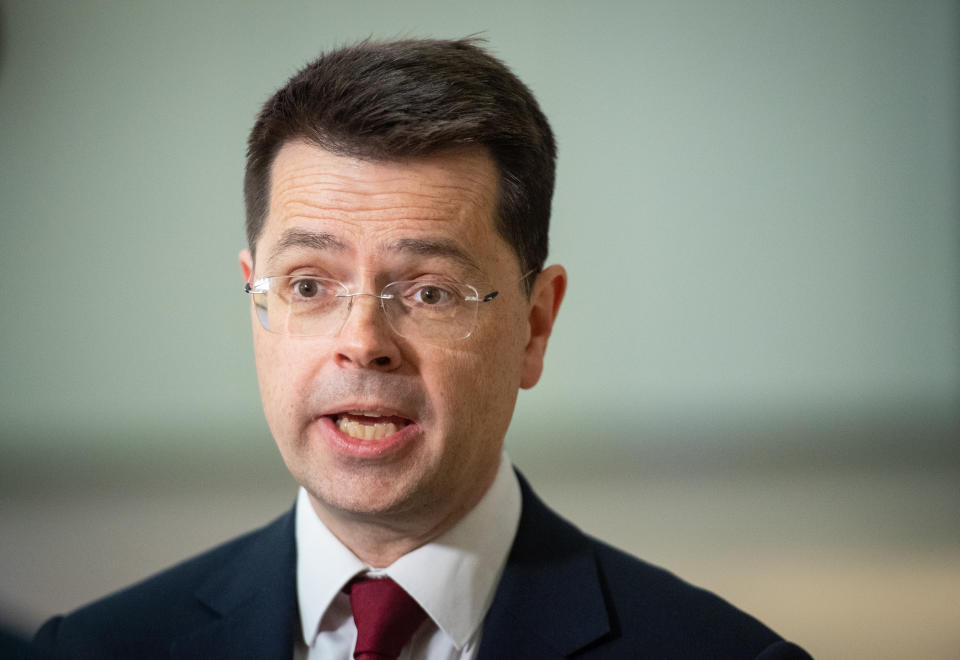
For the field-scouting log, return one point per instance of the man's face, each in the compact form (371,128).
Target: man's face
(368,224)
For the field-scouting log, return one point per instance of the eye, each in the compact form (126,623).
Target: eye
(433,295)
(312,289)
(306,288)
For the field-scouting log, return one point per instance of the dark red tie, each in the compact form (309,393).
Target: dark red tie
(386,618)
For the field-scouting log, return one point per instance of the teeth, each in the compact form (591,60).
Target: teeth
(360,431)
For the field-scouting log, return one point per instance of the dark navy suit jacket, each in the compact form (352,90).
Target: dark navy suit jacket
(562,594)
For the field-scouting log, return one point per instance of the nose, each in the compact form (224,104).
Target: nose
(365,340)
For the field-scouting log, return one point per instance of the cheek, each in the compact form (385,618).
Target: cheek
(477,387)
(453,383)
(280,375)
(446,382)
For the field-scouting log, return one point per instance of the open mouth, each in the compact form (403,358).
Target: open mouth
(368,425)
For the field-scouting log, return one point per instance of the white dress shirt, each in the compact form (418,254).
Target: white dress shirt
(453,578)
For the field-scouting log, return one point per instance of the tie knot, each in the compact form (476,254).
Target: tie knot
(386,618)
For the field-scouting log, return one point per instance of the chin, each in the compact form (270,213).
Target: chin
(357,495)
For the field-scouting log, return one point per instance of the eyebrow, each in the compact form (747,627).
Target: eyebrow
(424,247)
(435,247)
(299,238)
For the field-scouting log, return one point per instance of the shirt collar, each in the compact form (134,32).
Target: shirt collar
(453,577)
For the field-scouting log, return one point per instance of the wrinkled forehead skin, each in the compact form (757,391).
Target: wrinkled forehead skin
(439,207)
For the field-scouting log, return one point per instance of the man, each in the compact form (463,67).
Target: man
(398,200)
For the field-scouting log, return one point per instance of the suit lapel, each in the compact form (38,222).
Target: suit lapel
(550,601)
(253,599)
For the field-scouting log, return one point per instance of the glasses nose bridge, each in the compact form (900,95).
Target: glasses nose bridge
(351,296)
(378,299)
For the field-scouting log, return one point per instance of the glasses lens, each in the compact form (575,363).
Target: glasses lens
(298,305)
(430,310)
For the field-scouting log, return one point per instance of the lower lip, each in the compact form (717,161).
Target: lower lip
(347,445)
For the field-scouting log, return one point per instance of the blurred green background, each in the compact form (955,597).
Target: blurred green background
(757,203)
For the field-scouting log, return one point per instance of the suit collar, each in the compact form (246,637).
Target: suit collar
(253,599)
(471,555)
(550,598)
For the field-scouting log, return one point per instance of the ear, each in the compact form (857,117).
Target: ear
(548,290)
(246,264)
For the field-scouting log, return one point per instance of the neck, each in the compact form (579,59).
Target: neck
(381,539)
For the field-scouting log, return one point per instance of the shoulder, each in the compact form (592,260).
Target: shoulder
(644,607)
(142,620)
(656,609)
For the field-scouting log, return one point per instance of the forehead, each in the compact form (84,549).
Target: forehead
(443,203)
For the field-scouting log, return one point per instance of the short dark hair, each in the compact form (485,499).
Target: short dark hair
(384,101)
